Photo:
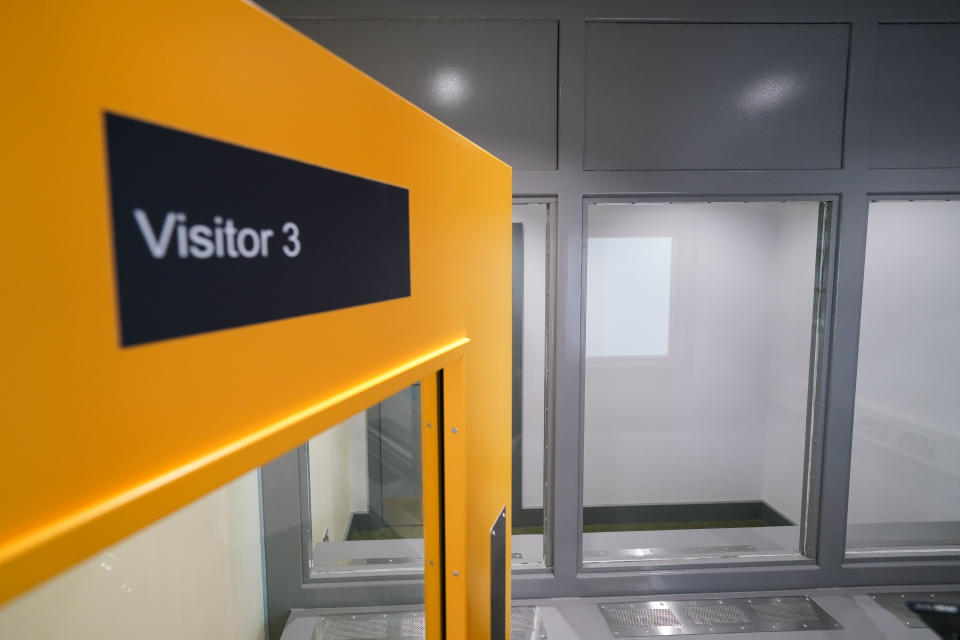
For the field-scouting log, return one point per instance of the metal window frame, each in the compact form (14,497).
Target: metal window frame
(549,395)
(830,419)
(854,185)
(910,554)
(820,339)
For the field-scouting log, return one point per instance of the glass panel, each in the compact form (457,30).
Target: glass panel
(194,574)
(365,490)
(904,476)
(530,277)
(698,351)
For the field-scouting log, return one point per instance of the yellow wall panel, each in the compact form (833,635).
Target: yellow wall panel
(100,440)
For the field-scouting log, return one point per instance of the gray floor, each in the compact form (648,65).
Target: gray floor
(581,619)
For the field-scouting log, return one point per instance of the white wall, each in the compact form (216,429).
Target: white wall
(193,575)
(790,313)
(713,420)
(338,477)
(533,217)
(907,422)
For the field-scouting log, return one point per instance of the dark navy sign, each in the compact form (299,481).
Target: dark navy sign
(209,235)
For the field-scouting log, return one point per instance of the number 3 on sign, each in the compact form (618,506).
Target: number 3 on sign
(292,250)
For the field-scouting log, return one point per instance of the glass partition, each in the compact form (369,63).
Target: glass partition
(198,573)
(904,472)
(364,489)
(530,351)
(355,516)
(194,574)
(698,355)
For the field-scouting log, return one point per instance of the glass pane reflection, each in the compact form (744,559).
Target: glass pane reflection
(904,476)
(365,490)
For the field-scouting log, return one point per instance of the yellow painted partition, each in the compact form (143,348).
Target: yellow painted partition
(98,439)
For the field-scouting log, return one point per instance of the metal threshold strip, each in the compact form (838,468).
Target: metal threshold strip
(728,615)
(370,562)
(525,624)
(686,553)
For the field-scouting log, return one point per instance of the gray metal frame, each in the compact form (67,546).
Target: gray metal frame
(853,185)
(951,558)
(374,464)
(306,516)
(549,374)
(816,386)
(819,346)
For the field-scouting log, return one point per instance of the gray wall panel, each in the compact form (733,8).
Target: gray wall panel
(916,112)
(495,81)
(715,96)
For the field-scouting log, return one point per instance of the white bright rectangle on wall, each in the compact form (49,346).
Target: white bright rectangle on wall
(628,296)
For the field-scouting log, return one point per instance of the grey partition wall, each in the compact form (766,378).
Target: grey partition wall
(714,96)
(636,101)
(916,123)
(495,81)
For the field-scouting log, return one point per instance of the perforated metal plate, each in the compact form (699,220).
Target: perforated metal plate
(525,624)
(896,603)
(735,615)
(356,627)
(413,627)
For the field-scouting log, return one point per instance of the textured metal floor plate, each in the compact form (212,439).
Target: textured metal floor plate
(525,624)
(896,603)
(368,626)
(733,615)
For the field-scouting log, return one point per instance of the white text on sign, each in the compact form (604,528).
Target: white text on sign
(222,239)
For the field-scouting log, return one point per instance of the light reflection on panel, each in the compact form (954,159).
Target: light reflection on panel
(714,96)
(494,81)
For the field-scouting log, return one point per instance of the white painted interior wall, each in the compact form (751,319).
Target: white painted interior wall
(722,417)
(533,217)
(194,574)
(338,477)
(790,291)
(906,429)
